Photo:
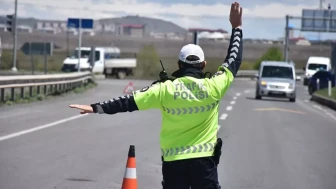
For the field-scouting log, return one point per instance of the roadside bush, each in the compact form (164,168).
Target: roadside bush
(148,62)
(273,53)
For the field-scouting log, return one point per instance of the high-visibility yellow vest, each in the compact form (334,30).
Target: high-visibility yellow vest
(189,109)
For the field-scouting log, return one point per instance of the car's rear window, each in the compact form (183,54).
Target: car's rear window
(277,72)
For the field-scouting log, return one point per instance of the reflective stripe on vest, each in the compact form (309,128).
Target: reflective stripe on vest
(207,147)
(190,110)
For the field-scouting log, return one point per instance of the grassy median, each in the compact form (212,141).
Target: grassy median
(324,93)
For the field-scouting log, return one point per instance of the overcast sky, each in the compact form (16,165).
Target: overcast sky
(262,18)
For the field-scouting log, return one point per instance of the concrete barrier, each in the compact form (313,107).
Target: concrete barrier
(324,101)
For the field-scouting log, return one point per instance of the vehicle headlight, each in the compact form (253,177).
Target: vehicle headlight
(307,74)
(291,86)
(263,83)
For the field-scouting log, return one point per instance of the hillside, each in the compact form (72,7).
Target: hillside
(152,24)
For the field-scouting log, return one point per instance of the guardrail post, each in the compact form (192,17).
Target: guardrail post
(45,89)
(38,90)
(12,94)
(329,88)
(3,95)
(22,93)
(31,91)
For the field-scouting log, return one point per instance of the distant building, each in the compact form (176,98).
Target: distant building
(134,30)
(55,26)
(20,28)
(108,28)
(211,34)
(51,26)
(207,30)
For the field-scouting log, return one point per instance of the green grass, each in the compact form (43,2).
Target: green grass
(324,92)
(40,97)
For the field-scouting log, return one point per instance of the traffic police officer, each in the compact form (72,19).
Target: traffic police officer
(189,106)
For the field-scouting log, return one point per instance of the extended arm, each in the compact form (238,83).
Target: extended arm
(121,104)
(147,98)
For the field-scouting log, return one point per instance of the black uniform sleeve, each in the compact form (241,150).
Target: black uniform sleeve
(116,105)
(234,55)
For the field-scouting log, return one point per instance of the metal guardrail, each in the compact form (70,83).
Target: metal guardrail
(53,82)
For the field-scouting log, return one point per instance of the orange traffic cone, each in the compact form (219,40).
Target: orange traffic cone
(130,179)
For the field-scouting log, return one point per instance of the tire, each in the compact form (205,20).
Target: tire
(292,99)
(257,96)
(121,74)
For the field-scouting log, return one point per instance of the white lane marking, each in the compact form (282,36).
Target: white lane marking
(233,102)
(223,116)
(325,111)
(318,110)
(238,94)
(330,115)
(229,108)
(234,98)
(247,91)
(41,127)
(318,107)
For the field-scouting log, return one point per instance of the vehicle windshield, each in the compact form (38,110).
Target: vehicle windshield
(277,72)
(313,66)
(84,54)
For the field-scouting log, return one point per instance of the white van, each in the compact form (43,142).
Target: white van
(315,64)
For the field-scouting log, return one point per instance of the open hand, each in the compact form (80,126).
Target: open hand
(85,109)
(236,15)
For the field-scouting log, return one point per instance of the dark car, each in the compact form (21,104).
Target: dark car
(323,77)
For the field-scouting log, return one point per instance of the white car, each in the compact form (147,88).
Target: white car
(276,79)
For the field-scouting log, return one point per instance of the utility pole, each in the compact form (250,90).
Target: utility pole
(321,7)
(286,38)
(14,69)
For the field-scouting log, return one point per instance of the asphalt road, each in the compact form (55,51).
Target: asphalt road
(268,144)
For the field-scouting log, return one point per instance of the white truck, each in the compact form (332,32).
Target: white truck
(107,61)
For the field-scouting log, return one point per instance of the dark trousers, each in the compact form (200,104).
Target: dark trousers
(198,173)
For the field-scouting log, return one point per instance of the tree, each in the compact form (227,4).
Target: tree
(148,60)
(272,54)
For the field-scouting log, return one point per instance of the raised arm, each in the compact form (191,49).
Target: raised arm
(233,58)
(222,80)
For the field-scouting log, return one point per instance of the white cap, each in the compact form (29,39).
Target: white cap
(194,50)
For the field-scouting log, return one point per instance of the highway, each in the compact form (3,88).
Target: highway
(268,144)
